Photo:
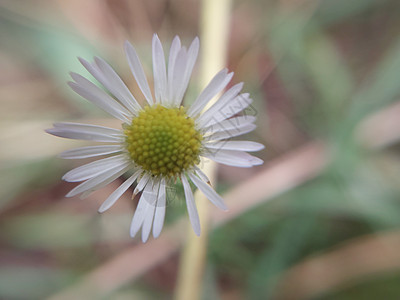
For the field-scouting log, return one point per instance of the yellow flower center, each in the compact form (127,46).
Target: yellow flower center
(163,141)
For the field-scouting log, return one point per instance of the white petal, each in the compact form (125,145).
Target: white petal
(79,135)
(86,132)
(178,76)
(191,206)
(142,183)
(91,127)
(209,192)
(97,96)
(118,192)
(102,184)
(151,197)
(159,70)
(231,124)
(94,168)
(160,210)
(173,53)
(106,75)
(230,133)
(90,151)
(217,84)
(88,128)
(89,184)
(147,222)
(235,145)
(227,97)
(234,158)
(119,88)
(201,174)
(138,216)
(137,71)
(191,60)
(142,209)
(235,106)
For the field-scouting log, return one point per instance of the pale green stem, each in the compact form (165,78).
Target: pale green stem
(214,40)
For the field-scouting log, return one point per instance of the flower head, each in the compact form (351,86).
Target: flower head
(161,141)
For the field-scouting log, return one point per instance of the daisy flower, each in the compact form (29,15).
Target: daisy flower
(161,141)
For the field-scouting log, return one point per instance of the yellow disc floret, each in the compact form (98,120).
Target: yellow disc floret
(163,141)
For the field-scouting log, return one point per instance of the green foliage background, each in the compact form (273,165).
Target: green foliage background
(325,66)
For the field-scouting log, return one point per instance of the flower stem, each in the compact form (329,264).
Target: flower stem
(214,39)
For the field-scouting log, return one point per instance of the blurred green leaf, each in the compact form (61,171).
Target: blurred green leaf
(286,247)
(54,50)
(381,88)
(335,11)
(311,68)
(386,286)
(31,282)
(361,197)
(15,178)
(330,76)
(210,284)
(49,230)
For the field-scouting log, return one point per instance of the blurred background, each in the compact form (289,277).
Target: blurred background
(319,220)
